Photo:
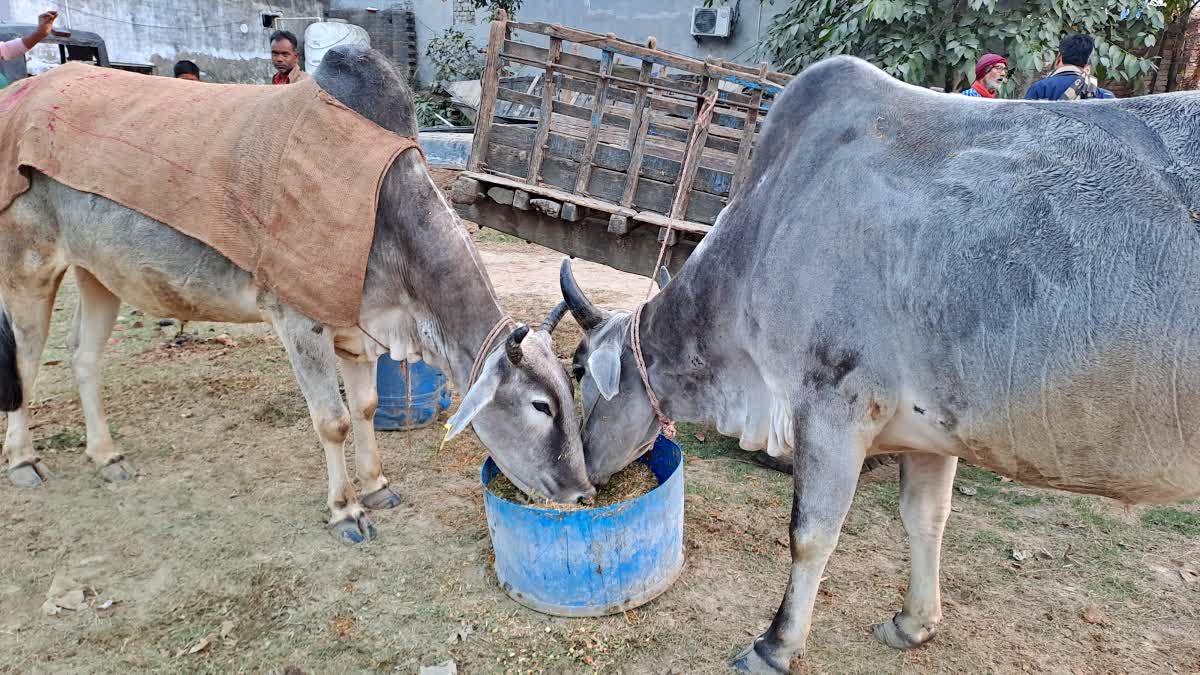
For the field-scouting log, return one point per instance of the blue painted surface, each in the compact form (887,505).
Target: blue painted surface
(597,561)
(768,88)
(446,150)
(430,395)
(722,182)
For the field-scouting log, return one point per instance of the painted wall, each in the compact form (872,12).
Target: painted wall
(668,20)
(225,38)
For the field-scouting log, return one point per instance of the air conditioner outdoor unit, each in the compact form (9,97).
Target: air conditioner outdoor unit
(713,21)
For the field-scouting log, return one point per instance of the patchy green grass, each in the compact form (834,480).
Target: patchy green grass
(1009,521)
(704,442)
(992,541)
(63,440)
(1085,509)
(495,237)
(1019,499)
(1172,520)
(884,495)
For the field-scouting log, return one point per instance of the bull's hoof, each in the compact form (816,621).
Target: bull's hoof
(383,498)
(894,634)
(117,471)
(353,530)
(29,474)
(752,661)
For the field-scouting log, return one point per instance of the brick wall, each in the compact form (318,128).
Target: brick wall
(464,12)
(392,32)
(1180,58)
(1178,63)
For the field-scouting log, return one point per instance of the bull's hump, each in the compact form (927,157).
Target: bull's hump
(364,81)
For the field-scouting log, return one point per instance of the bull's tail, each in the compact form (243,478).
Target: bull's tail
(11,395)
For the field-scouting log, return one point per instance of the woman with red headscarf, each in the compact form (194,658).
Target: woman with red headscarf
(990,71)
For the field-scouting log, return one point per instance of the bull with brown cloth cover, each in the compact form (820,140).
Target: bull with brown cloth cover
(304,206)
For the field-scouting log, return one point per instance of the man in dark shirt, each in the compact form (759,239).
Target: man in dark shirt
(1068,82)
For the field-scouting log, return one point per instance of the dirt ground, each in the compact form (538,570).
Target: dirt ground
(216,558)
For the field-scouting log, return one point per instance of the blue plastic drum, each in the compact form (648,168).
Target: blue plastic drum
(591,562)
(397,412)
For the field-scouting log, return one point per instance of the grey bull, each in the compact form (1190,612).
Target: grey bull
(426,295)
(1013,283)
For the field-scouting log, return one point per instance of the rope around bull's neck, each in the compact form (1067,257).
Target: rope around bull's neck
(635,339)
(480,356)
(635,330)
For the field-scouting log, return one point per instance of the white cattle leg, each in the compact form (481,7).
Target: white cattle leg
(925,489)
(310,349)
(29,311)
(359,377)
(94,319)
(826,464)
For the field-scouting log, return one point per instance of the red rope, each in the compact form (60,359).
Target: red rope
(635,338)
(635,330)
(702,121)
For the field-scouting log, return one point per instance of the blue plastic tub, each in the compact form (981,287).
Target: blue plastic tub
(591,562)
(430,395)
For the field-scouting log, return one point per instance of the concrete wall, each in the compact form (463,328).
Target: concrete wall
(668,20)
(224,37)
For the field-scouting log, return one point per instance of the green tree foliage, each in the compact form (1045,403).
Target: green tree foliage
(454,54)
(936,42)
(454,57)
(494,6)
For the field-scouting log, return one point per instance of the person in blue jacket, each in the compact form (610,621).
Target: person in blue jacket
(1101,92)
(1068,82)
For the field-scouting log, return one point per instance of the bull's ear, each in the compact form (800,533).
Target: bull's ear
(479,396)
(604,366)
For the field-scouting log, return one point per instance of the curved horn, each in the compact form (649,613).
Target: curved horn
(663,277)
(556,315)
(512,346)
(585,313)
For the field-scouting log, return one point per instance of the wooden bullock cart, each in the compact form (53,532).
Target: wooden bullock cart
(602,148)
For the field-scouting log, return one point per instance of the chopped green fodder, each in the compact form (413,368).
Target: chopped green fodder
(631,482)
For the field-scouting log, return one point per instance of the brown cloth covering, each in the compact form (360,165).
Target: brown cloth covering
(283,181)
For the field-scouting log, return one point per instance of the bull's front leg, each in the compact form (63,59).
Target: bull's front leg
(361,390)
(827,461)
(926,482)
(310,349)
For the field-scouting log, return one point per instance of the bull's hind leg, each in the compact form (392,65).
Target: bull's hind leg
(29,309)
(364,399)
(310,349)
(95,316)
(829,455)
(925,490)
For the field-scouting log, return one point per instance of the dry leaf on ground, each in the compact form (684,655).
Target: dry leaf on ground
(1095,616)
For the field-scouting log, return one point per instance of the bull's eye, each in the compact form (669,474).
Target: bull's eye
(578,371)
(542,407)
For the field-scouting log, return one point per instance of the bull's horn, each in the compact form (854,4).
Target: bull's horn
(663,277)
(585,313)
(512,346)
(555,316)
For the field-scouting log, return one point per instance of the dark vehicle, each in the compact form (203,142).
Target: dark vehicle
(76,45)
